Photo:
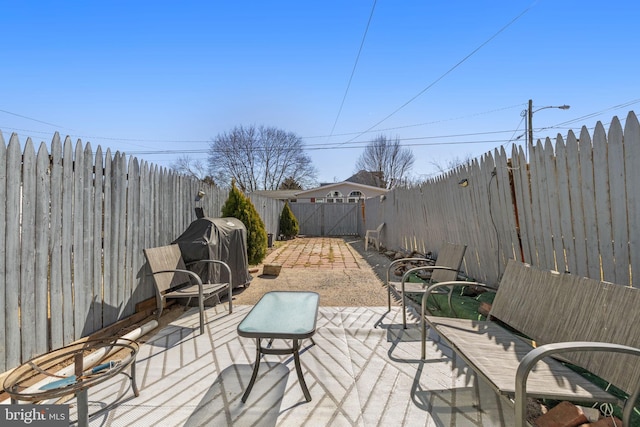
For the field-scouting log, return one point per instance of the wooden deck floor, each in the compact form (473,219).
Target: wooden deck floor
(363,371)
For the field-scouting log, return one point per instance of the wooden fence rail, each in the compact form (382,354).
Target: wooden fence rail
(573,206)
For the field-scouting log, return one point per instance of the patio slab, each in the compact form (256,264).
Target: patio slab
(363,371)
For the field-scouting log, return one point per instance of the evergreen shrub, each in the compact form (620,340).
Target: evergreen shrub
(239,206)
(289,227)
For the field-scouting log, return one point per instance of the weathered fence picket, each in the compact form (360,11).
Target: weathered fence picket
(632,181)
(3,253)
(27,252)
(13,341)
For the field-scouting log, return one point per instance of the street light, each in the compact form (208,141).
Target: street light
(529,112)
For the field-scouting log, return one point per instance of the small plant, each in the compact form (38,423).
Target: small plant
(289,227)
(331,257)
(239,206)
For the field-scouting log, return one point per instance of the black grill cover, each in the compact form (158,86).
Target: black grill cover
(223,239)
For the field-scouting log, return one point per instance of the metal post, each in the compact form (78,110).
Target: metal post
(529,122)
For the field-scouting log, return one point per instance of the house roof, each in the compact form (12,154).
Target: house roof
(277,194)
(373,179)
(364,188)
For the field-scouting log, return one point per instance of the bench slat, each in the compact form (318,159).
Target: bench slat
(554,307)
(495,353)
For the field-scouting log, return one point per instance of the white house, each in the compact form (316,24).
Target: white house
(339,192)
(352,190)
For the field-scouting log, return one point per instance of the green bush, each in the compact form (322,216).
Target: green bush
(288,223)
(239,206)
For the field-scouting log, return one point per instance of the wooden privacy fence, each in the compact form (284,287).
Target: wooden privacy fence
(75,223)
(572,206)
(327,219)
(269,210)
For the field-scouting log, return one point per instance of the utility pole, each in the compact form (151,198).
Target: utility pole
(529,122)
(530,112)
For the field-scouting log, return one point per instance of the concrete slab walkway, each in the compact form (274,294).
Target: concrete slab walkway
(317,252)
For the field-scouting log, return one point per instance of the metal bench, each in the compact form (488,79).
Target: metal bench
(586,322)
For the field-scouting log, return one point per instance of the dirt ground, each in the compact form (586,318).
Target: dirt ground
(337,268)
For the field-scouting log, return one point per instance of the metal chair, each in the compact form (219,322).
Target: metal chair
(173,280)
(445,268)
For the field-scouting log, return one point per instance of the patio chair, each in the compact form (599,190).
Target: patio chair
(444,269)
(173,280)
(374,236)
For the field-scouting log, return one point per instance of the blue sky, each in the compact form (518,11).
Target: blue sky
(160,79)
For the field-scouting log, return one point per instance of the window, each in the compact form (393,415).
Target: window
(355,196)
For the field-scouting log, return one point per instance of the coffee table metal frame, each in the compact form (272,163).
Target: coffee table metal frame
(288,315)
(18,384)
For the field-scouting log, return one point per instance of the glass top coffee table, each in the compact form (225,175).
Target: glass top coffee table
(281,315)
(73,370)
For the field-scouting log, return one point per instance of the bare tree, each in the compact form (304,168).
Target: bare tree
(194,168)
(260,158)
(452,163)
(388,158)
(442,167)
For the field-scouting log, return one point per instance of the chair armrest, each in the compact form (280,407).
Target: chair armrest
(407,273)
(428,268)
(225,265)
(215,261)
(531,358)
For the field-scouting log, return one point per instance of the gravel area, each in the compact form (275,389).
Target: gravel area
(357,285)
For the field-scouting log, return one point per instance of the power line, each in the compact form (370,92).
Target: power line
(338,145)
(513,137)
(450,70)
(107,138)
(353,71)
(32,119)
(360,144)
(113,138)
(591,115)
(324,147)
(419,124)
